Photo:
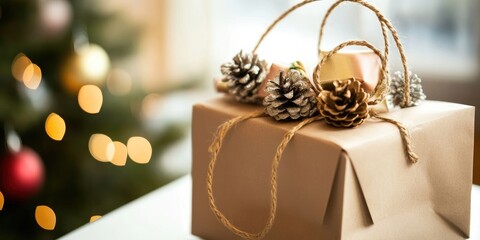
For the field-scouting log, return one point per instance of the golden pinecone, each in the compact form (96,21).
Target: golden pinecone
(345,105)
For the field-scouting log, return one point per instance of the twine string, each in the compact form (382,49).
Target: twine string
(280,18)
(384,33)
(404,133)
(382,86)
(365,4)
(379,95)
(385,23)
(214,151)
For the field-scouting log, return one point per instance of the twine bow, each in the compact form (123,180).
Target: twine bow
(379,93)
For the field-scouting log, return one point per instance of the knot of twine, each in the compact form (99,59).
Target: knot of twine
(379,94)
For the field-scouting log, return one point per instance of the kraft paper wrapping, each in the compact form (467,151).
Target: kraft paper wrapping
(338,183)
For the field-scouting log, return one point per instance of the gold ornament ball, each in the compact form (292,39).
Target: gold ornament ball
(90,64)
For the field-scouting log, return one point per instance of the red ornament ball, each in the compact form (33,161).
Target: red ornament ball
(21,174)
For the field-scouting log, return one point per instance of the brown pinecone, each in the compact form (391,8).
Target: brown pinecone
(244,76)
(344,106)
(291,96)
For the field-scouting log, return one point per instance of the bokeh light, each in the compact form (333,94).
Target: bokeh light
(32,76)
(89,64)
(19,64)
(119,82)
(95,218)
(14,143)
(94,63)
(98,147)
(90,99)
(139,150)
(54,16)
(25,71)
(55,127)
(45,217)
(119,156)
(2,201)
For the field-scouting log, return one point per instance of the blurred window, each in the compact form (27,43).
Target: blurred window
(439,33)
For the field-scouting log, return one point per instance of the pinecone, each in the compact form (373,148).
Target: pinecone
(344,106)
(291,96)
(397,89)
(244,76)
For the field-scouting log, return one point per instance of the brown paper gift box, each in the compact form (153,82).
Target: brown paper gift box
(338,183)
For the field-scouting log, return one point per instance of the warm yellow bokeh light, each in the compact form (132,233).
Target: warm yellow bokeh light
(94,63)
(90,99)
(55,126)
(2,200)
(89,65)
(97,145)
(95,218)
(139,150)
(119,82)
(19,64)
(118,153)
(32,76)
(45,217)
(28,73)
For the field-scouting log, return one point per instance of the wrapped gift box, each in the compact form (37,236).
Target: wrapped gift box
(337,183)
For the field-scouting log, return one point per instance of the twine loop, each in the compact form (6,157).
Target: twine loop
(382,88)
(214,151)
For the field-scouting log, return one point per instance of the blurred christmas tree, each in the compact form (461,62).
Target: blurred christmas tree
(50,49)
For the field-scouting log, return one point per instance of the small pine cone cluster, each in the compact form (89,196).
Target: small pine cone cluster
(291,96)
(346,105)
(397,87)
(244,75)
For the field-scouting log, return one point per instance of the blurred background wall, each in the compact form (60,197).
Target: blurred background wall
(145,62)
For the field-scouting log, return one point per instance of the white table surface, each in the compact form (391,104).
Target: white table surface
(165,214)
